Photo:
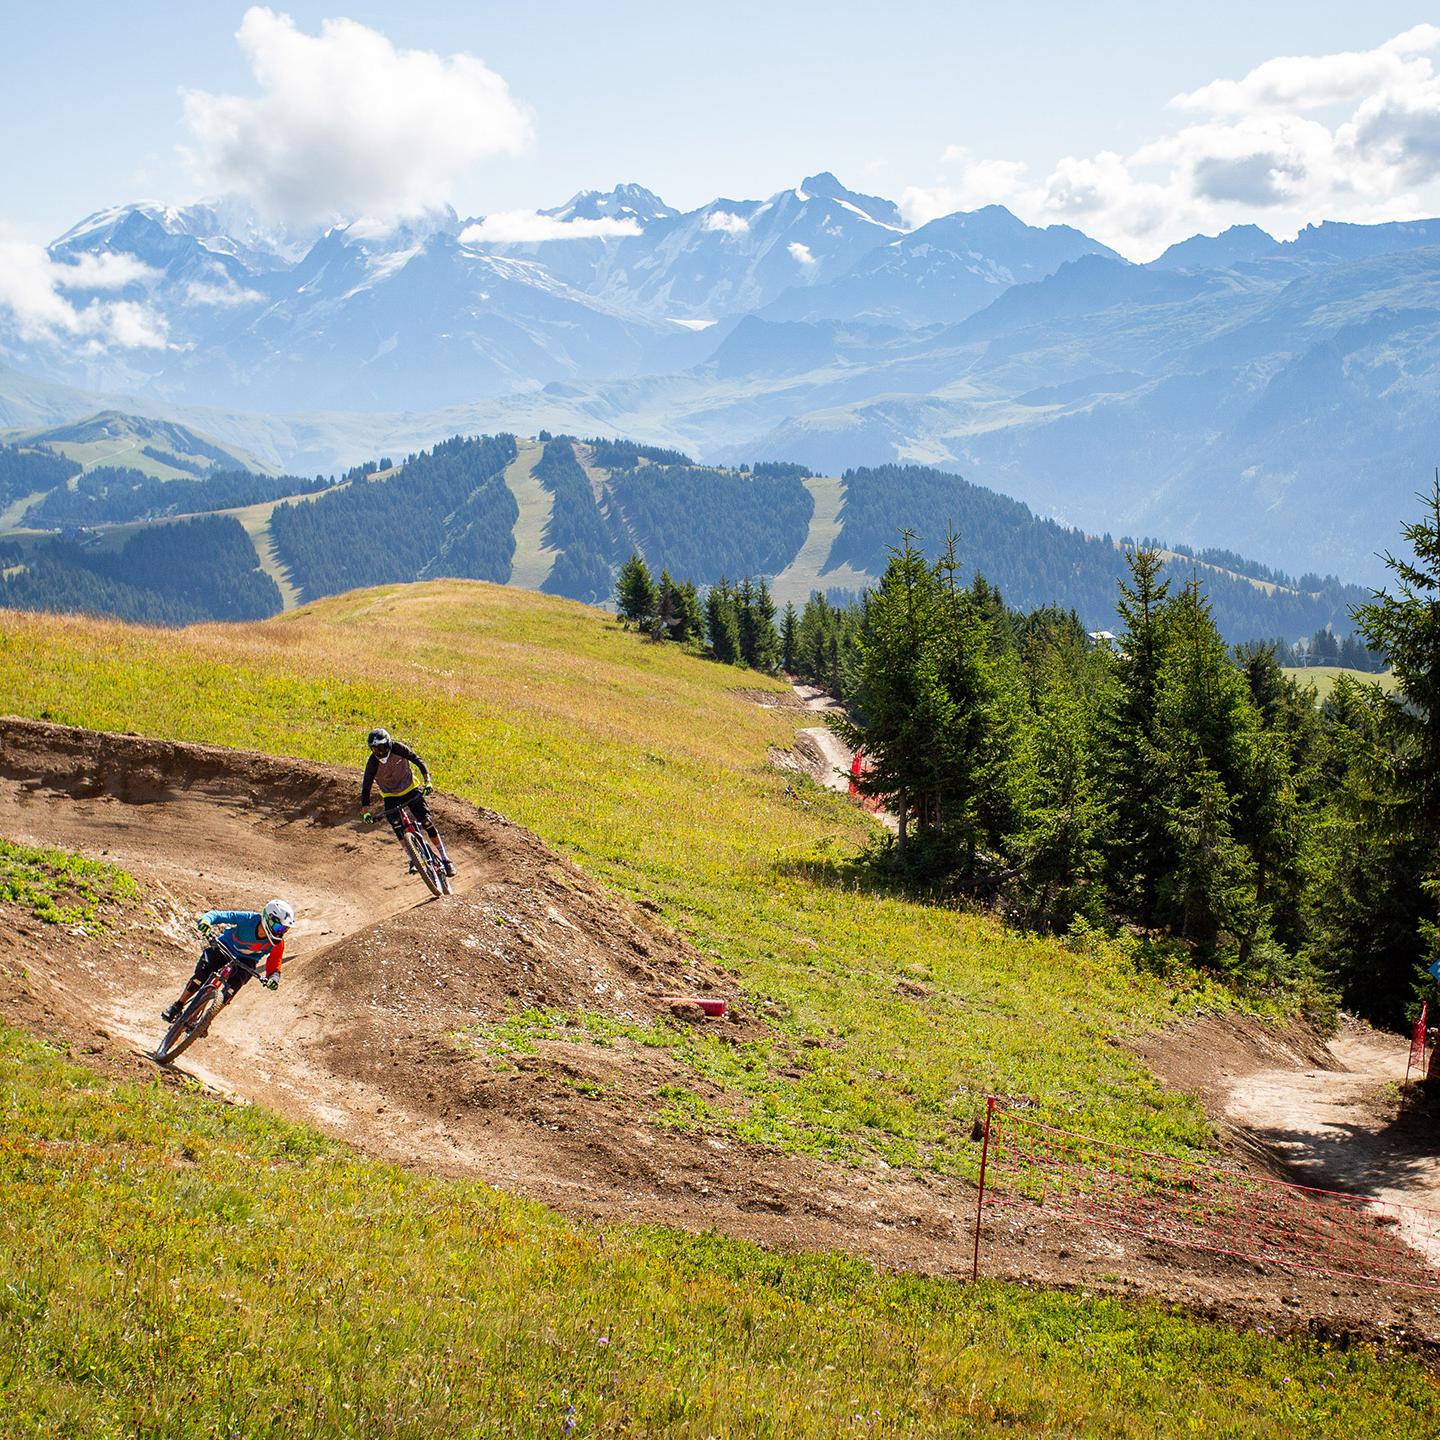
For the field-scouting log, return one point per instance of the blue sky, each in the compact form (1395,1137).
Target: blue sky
(945,105)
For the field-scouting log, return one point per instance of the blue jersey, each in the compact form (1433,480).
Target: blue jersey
(241,936)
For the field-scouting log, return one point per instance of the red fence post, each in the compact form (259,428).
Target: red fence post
(980,1197)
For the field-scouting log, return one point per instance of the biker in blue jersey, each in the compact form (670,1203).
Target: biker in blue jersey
(249,936)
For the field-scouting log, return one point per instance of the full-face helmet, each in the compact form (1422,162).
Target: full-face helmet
(276,918)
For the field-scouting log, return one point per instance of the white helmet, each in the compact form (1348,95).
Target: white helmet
(276,918)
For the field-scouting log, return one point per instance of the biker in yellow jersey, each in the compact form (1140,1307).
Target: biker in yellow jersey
(388,770)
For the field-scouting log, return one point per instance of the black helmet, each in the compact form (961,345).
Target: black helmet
(379,741)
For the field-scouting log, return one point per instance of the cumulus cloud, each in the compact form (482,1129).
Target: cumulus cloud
(527,227)
(32,287)
(1308,82)
(1350,136)
(801,254)
(345,124)
(725,223)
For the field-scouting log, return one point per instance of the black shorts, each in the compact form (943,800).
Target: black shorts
(212,958)
(414,802)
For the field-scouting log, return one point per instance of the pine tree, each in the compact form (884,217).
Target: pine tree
(747,622)
(721,623)
(669,613)
(636,597)
(692,616)
(1129,753)
(767,638)
(789,628)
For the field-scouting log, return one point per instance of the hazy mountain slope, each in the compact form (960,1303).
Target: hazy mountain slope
(941,272)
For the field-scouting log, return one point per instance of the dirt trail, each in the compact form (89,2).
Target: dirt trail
(370,1036)
(820,752)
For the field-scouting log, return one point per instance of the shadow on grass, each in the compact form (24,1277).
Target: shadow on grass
(875,870)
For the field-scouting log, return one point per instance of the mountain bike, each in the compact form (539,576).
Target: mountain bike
(202,1008)
(422,856)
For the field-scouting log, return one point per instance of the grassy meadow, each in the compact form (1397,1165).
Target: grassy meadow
(174,1266)
(1321,678)
(639,763)
(171,1265)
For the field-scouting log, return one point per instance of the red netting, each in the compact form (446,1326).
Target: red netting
(1186,1202)
(1417,1045)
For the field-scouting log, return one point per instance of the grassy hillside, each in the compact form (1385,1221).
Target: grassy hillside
(173,1265)
(157,447)
(349,1298)
(639,762)
(1322,678)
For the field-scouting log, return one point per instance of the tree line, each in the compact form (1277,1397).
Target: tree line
(445,512)
(1169,788)
(585,538)
(707,523)
(23,472)
(119,494)
(169,574)
(1038,562)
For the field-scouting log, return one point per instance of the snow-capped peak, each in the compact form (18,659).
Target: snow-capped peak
(624,202)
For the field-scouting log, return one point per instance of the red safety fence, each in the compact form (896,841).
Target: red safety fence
(1416,1062)
(859,768)
(1202,1206)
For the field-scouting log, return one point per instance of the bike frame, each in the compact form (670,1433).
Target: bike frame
(219,982)
(436,881)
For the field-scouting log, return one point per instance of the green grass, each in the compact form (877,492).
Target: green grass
(1321,678)
(638,762)
(174,1266)
(61,888)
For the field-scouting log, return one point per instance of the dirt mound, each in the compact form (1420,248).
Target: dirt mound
(371,1034)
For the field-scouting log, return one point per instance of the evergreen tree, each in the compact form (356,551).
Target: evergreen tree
(767,638)
(636,597)
(1393,788)
(692,616)
(931,727)
(747,621)
(721,624)
(789,628)
(669,614)
(1129,754)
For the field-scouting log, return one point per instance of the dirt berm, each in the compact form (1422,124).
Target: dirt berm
(371,1034)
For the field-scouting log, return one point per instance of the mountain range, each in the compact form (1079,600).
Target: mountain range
(1242,392)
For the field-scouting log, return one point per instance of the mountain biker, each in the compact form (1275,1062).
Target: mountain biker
(248,936)
(388,770)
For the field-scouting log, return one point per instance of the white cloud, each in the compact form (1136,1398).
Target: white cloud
(801,253)
(222,296)
(528,227)
(725,223)
(345,124)
(31,286)
(102,270)
(1352,136)
(1309,82)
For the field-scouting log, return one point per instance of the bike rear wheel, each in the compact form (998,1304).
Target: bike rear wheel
(192,1023)
(425,863)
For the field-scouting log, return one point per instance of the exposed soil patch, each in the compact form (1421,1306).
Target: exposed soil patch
(1317,1111)
(366,1037)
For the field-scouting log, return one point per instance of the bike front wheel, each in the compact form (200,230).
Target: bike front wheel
(425,863)
(191,1024)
